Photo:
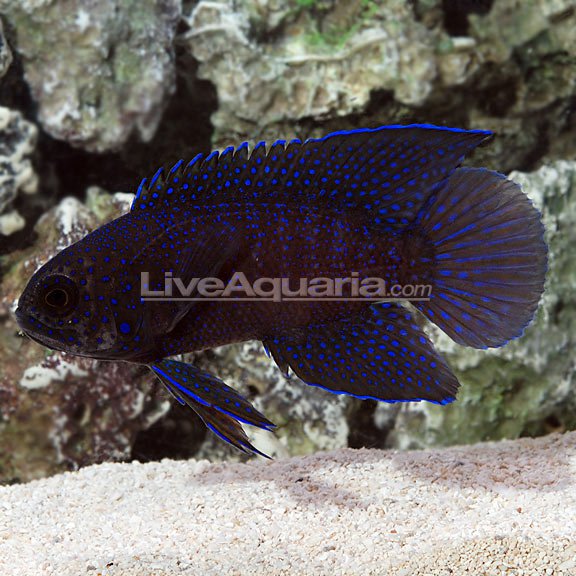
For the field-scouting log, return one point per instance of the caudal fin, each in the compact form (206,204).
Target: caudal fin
(490,258)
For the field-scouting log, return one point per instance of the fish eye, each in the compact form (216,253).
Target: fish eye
(56,298)
(59,294)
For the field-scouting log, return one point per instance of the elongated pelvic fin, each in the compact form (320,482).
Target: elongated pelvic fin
(220,407)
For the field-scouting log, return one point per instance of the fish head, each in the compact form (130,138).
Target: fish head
(86,301)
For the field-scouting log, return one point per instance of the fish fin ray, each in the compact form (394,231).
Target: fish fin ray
(241,154)
(196,162)
(191,383)
(228,429)
(490,258)
(381,354)
(276,354)
(220,407)
(387,173)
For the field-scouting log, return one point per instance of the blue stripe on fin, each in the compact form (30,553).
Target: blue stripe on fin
(155,178)
(231,432)
(212,157)
(220,407)
(138,192)
(241,154)
(405,127)
(229,151)
(176,166)
(175,384)
(195,161)
(206,389)
(445,401)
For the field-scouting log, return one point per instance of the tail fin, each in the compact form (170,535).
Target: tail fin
(490,258)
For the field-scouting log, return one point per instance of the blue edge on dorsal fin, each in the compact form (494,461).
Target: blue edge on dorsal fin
(229,151)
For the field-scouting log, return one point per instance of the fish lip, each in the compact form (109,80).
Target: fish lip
(21,318)
(48,342)
(31,331)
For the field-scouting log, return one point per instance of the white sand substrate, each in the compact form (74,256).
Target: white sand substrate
(506,508)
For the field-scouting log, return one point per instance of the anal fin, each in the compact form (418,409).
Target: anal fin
(381,354)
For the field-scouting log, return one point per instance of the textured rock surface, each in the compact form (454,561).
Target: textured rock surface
(5,52)
(17,142)
(99,71)
(276,64)
(528,78)
(491,510)
(314,64)
(308,71)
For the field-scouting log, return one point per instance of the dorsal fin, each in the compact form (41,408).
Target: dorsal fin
(387,172)
(162,185)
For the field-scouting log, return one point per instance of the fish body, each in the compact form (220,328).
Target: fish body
(390,203)
(304,245)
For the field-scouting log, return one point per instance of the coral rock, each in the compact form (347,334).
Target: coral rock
(17,142)
(99,71)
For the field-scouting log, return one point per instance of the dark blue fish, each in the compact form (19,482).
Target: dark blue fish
(391,203)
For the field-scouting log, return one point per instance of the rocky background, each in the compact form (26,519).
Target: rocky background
(96,95)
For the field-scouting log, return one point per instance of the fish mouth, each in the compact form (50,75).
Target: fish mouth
(23,321)
(37,331)
(33,329)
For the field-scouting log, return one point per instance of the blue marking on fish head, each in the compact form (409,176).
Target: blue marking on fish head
(86,300)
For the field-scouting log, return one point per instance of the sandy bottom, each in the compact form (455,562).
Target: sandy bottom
(495,509)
